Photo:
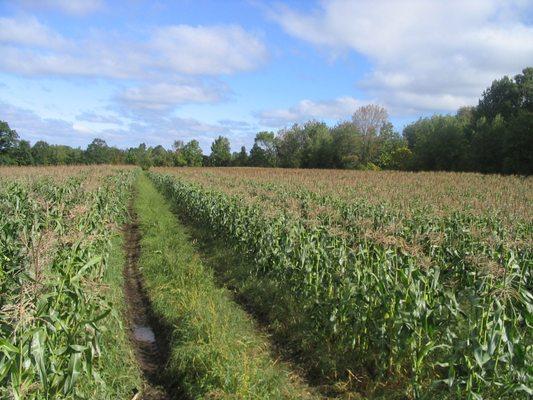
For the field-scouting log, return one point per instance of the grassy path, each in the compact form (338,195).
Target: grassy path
(215,351)
(148,334)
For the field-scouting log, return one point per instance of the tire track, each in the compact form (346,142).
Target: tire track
(147,334)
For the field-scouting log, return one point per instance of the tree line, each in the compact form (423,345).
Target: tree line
(496,136)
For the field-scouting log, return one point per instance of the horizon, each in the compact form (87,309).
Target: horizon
(158,72)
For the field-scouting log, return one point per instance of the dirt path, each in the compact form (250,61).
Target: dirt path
(147,334)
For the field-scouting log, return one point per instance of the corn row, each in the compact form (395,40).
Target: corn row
(54,244)
(442,327)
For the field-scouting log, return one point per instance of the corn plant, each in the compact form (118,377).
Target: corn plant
(54,242)
(406,306)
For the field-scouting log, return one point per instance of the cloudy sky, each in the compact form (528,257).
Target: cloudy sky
(154,71)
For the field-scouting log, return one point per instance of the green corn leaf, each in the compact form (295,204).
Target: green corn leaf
(38,351)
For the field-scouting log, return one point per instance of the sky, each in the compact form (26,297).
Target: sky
(154,72)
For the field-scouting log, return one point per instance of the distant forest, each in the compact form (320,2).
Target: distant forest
(496,136)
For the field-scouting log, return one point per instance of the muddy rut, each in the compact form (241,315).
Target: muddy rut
(148,335)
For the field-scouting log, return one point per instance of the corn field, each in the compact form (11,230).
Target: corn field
(391,285)
(55,227)
(419,281)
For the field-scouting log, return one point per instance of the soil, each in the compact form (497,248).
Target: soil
(148,335)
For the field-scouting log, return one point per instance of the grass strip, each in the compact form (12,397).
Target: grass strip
(215,349)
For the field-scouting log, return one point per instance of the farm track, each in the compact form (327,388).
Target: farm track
(216,255)
(147,334)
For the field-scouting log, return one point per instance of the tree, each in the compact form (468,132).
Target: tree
(139,155)
(177,145)
(401,158)
(41,153)
(487,145)
(518,144)
(192,153)
(317,152)
(387,145)
(8,141)
(22,153)
(501,98)
(97,152)
(59,155)
(290,147)
(161,157)
(525,87)
(437,143)
(347,145)
(263,153)
(8,137)
(220,152)
(240,159)
(116,156)
(179,158)
(143,157)
(369,121)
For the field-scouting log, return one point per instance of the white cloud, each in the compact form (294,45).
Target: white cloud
(82,128)
(72,7)
(30,126)
(165,96)
(99,118)
(164,130)
(153,130)
(427,55)
(207,49)
(340,108)
(28,31)
(29,47)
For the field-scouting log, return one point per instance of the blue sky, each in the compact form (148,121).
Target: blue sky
(154,71)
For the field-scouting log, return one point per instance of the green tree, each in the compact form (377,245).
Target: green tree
(347,145)
(220,152)
(161,157)
(8,141)
(290,147)
(59,154)
(487,145)
(401,158)
(506,96)
(179,157)
(139,155)
(518,144)
(240,159)
(387,144)
(263,153)
(192,154)
(144,159)
(525,87)
(8,137)
(41,153)
(437,143)
(22,153)
(317,151)
(97,152)
(116,156)
(499,136)
(502,98)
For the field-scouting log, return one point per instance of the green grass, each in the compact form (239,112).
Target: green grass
(216,351)
(118,369)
